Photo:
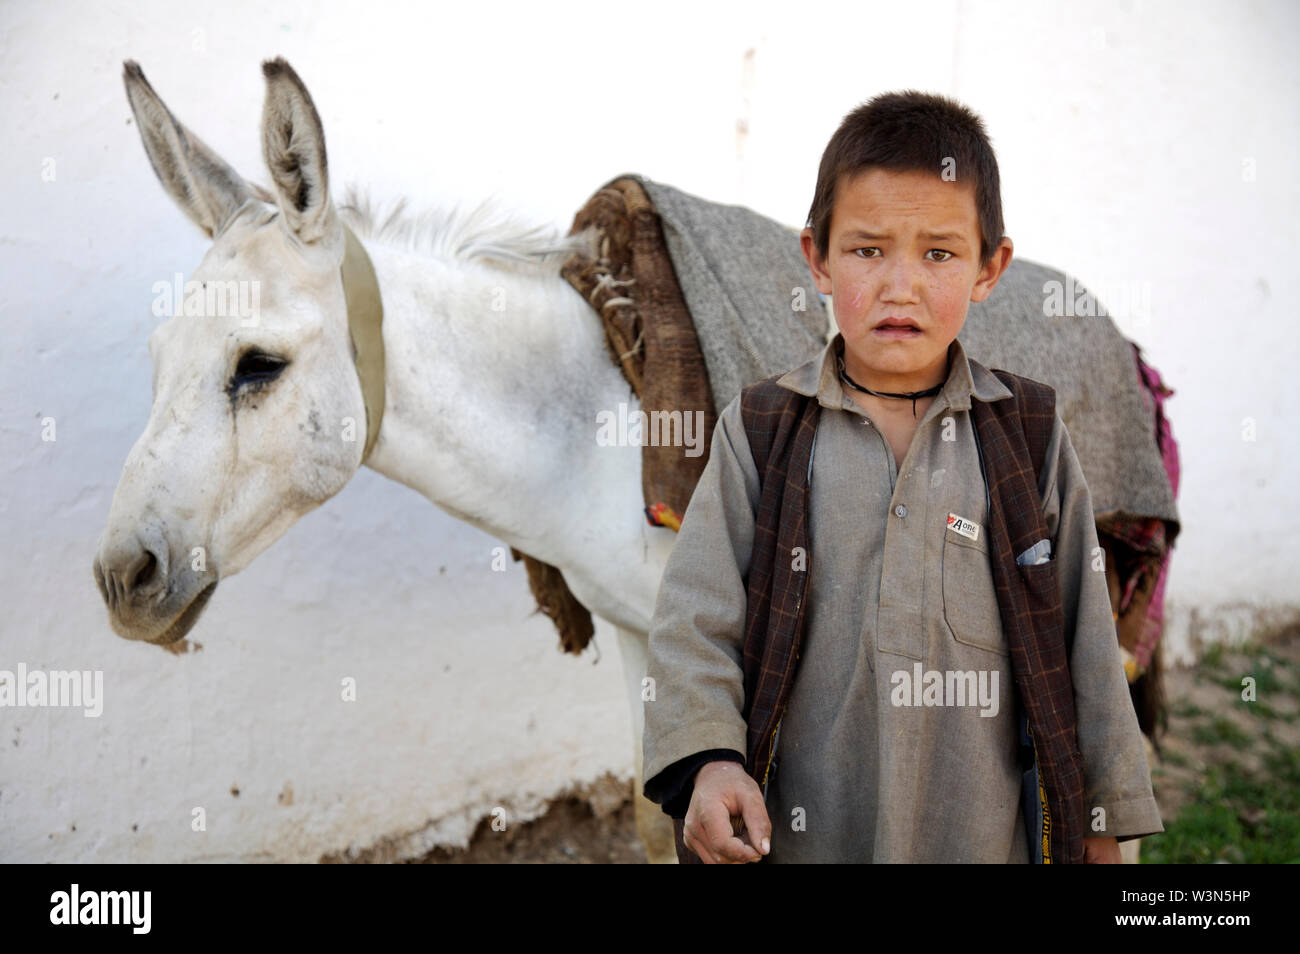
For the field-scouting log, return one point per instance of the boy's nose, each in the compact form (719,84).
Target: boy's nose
(901,280)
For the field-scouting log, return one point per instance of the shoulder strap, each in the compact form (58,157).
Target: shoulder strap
(1036,404)
(764,405)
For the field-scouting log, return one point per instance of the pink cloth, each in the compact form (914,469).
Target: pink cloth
(1155,393)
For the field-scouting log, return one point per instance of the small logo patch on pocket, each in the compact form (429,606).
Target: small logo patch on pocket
(967,528)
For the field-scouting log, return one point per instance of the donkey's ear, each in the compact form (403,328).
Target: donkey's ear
(202,184)
(293,144)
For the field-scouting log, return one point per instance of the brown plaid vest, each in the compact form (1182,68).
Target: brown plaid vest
(1013,436)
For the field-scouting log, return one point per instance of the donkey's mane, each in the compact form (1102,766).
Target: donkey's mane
(484,233)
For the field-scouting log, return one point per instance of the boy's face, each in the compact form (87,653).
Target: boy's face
(902,245)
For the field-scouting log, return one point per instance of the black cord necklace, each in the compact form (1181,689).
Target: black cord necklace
(910,395)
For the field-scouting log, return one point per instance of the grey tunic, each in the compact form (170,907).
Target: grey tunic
(870,765)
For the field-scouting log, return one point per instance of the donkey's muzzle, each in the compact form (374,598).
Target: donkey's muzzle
(149,596)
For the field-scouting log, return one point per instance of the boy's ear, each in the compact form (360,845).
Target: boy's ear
(816,264)
(990,273)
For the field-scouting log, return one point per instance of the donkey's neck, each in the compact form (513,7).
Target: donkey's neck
(494,381)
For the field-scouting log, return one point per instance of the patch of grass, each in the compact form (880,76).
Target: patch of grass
(1224,730)
(1212,658)
(1262,710)
(1186,709)
(1264,671)
(1268,660)
(1236,816)
(1283,759)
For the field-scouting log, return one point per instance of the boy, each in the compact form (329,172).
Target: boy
(900,737)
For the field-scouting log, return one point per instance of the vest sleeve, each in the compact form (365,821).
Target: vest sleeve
(697,631)
(1117,779)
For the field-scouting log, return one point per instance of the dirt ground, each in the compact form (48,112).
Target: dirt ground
(1205,728)
(570,832)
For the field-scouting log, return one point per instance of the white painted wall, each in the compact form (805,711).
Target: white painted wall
(1122,129)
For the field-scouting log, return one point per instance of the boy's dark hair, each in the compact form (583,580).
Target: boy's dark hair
(911,131)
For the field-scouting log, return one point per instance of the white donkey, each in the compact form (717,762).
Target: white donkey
(494,371)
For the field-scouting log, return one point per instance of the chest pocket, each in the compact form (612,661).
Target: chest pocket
(970,604)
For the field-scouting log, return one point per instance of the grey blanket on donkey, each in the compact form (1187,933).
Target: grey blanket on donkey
(1098,392)
(739,273)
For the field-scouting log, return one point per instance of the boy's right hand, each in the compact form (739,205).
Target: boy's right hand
(724,790)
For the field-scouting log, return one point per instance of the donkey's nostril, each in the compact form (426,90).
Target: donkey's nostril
(132,570)
(99,580)
(142,571)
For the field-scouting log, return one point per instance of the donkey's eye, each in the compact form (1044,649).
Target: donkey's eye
(258,367)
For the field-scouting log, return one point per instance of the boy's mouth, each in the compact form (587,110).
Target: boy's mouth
(897,328)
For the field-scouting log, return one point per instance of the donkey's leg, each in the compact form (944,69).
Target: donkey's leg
(654,827)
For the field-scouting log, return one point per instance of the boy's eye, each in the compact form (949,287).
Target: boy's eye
(872,248)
